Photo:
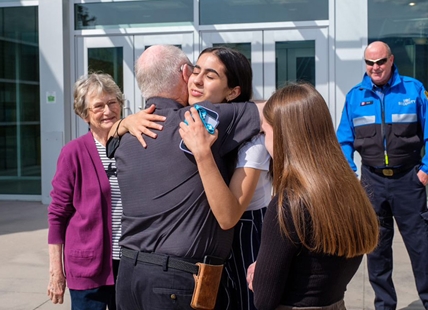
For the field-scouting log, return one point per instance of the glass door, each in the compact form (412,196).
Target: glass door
(116,56)
(300,55)
(112,55)
(279,56)
(250,43)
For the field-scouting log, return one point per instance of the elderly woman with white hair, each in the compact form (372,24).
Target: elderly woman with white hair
(85,213)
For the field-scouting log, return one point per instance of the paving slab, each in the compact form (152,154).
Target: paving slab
(24,265)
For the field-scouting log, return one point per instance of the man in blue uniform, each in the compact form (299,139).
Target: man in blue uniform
(384,120)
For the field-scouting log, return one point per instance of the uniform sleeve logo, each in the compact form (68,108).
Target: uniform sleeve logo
(407,101)
(364,103)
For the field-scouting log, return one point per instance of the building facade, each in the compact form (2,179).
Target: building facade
(46,45)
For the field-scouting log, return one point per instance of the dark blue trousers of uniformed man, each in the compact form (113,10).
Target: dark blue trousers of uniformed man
(384,120)
(402,197)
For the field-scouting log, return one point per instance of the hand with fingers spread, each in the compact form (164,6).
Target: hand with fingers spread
(139,124)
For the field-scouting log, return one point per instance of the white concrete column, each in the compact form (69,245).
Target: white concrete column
(351,31)
(351,36)
(54,49)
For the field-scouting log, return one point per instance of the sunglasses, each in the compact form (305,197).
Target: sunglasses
(378,62)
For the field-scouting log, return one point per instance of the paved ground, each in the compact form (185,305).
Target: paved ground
(24,265)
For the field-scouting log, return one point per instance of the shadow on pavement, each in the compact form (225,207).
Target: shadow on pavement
(21,216)
(416,305)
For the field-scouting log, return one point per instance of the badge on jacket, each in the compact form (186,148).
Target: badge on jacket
(366,103)
(426,94)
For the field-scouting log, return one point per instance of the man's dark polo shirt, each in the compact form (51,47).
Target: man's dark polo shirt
(165,209)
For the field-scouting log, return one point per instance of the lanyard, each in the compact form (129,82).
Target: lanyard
(379,92)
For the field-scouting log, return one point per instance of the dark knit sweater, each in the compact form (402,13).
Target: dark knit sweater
(288,274)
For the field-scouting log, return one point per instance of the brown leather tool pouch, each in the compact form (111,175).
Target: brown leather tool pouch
(207,282)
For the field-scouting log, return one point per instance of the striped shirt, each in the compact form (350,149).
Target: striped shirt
(116,200)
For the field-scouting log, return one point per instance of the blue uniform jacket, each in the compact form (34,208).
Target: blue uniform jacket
(405,123)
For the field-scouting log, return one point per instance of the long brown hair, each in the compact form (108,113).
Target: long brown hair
(311,174)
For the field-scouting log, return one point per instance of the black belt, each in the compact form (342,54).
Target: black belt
(161,260)
(389,171)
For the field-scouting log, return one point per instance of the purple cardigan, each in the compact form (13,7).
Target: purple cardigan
(79,215)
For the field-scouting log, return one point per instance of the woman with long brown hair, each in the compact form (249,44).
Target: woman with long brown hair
(320,222)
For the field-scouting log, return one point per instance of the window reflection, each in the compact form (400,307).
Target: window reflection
(128,14)
(107,60)
(20,162)
(244,48)
(258,11)
(404,28)
(294,61)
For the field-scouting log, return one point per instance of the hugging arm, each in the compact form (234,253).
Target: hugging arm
(138,124)
(227,204)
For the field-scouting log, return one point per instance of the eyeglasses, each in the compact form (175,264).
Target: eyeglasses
(100,107)
(378,62)
(191,67)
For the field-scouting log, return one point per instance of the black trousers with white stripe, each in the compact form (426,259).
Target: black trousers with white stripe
(246,244)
